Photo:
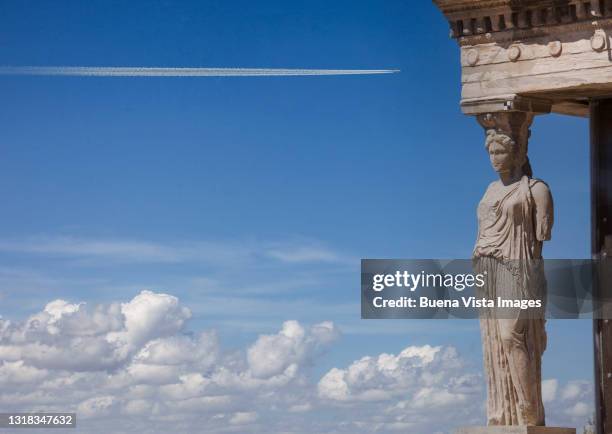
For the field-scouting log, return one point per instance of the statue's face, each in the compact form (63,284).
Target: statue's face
(501,158)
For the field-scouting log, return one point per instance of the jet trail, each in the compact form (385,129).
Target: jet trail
(94,71)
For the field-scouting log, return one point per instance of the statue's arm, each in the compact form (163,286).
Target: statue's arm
(544,212)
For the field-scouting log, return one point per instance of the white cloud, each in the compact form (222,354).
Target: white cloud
(579,410)
(572,405)
(139,251)
(124,250)
(133,366)
(411,389)
(98,406)
(574,389)
(299,254)
(242,273)
(301,408)
(79,338)
(135,359)
(415,370)
(15,373)
(273,354)
(178,350)
(549,390)
(243,417)
(148,316)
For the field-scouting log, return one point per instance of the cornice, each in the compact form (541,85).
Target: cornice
(508,36)
(476,18)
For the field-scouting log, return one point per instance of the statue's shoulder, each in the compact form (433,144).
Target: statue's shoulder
(539,188)
(490,190)
(492,184)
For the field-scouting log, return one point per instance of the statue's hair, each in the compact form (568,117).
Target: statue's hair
(518,150)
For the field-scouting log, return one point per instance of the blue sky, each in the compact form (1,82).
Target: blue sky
(253,199)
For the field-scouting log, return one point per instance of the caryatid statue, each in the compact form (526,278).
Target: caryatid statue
(515,216)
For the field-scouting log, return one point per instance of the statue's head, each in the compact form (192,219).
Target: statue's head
(507,135)
(506,154)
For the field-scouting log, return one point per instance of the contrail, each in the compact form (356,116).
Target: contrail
(94,71)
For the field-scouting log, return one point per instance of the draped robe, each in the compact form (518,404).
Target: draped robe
(508,248)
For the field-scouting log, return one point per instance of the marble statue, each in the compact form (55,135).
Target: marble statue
(515,216)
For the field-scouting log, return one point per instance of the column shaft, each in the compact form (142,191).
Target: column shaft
(601,242)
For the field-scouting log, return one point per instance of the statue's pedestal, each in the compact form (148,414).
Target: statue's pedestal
(514,430)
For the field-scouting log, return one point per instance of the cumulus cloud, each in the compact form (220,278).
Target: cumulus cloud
(19,373)
(408,389)
(549,390)
(134,366)
(579,410)
(575,389)
(82,338)
(568,404)
(574,405)
(148,316)
(137,362)
(273,354)
(416,370)
(427,387)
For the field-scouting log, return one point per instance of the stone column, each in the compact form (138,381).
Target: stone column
(540,57)
(512,370)
(601,246)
